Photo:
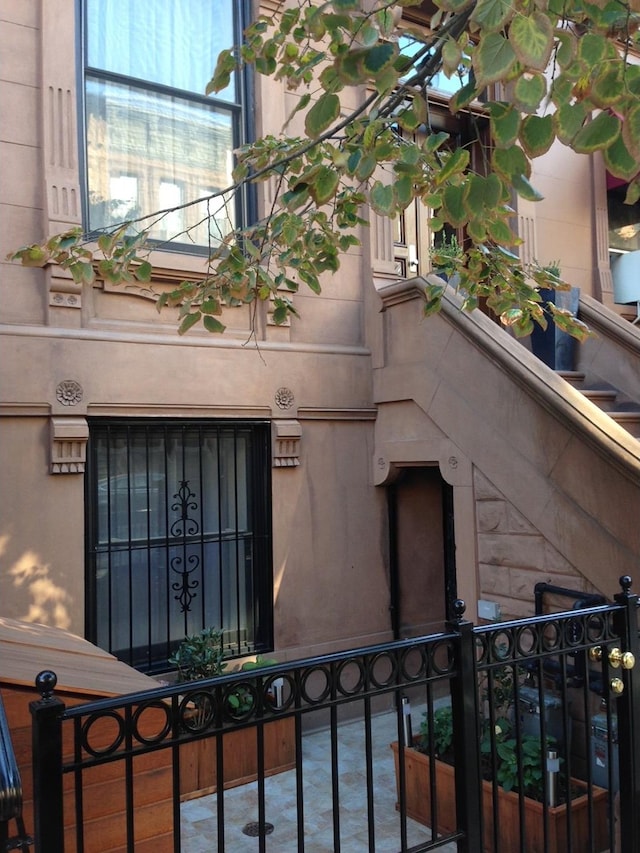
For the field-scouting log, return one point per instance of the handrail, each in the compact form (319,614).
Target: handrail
(10,782)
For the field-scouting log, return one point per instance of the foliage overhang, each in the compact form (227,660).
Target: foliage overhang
(565,71)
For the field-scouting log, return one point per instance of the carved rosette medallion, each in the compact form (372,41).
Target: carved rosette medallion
(69,392)
(284,398)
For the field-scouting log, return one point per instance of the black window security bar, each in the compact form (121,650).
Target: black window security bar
(179,536)
(463,675)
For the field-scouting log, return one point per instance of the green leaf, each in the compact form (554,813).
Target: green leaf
(453,206)
(381,198)
(349,68)
(143,271)
(599,133)
(510,162)
(566,48)
(463,97)
(222,75)
(451,56)
(476,230)
(501,233)
(529,91)
(325,185)
(212,324)
(454,5)
(296,197)
(368,35)
(633,193)
(494,191)
(493,59)
(366,166)
(606,88)
(619,161)
(457,162)
(568,119)
(322,114)
(403,191)
(81,272)
(522,186)
(592,48)
(505,123)
(189,321)
(631,131)
(379,57)
(537,135)
(532,40)
(435,141)
(493,15)
(33,256)
(474,195)
(386,80)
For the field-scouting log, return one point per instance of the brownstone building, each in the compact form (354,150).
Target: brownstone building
(325,484)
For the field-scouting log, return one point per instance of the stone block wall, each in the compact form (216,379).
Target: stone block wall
(513,556)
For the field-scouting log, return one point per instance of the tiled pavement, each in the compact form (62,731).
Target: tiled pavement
(241,804)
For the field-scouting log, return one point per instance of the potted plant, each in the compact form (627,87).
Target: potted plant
(202,656)
(446,256)
(516,763)
(555,347)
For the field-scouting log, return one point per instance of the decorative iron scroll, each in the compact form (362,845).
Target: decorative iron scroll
(182,527)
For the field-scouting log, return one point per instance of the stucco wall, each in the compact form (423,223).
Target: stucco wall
(329,522)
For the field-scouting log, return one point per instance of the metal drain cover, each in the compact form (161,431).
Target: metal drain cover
(254,829)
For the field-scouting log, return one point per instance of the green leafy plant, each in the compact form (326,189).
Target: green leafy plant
(518,762)
(442,734)
(447,255)
(199,656)
(202,656)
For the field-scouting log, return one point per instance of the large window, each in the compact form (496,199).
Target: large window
(153,141)
(179,536)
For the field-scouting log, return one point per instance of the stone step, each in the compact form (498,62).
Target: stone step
(629,420)
(604,398)
(573,377)
(625,414)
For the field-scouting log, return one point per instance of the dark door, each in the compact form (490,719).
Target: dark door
(423,584)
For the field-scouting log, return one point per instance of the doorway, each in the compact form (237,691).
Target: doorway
(422,551)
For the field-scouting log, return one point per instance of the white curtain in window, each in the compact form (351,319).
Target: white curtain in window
(172,42)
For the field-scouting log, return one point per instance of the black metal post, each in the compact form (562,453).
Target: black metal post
(628,708)
(47,766)
(464,708)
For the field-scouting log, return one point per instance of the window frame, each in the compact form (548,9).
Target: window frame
(260,534)
(242,109)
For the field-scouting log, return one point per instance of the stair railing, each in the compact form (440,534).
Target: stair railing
(10,792)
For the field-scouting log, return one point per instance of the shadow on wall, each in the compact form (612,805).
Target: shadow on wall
(45,602)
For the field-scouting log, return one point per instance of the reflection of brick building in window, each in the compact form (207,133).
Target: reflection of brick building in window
(148,152)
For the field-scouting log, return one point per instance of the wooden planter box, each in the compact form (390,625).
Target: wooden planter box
(86,673)
(198,759)
(418,805)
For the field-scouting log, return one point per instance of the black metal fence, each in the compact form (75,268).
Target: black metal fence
(546,707)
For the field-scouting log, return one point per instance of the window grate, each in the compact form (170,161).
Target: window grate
(179,536)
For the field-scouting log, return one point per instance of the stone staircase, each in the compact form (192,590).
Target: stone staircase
(621,409)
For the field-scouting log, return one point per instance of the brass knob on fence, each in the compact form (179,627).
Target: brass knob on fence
(616,657)
(617,686)
(624,659)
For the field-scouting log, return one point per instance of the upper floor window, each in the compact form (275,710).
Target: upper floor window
(153,140)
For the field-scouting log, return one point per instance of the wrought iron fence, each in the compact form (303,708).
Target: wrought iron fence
(521,703)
